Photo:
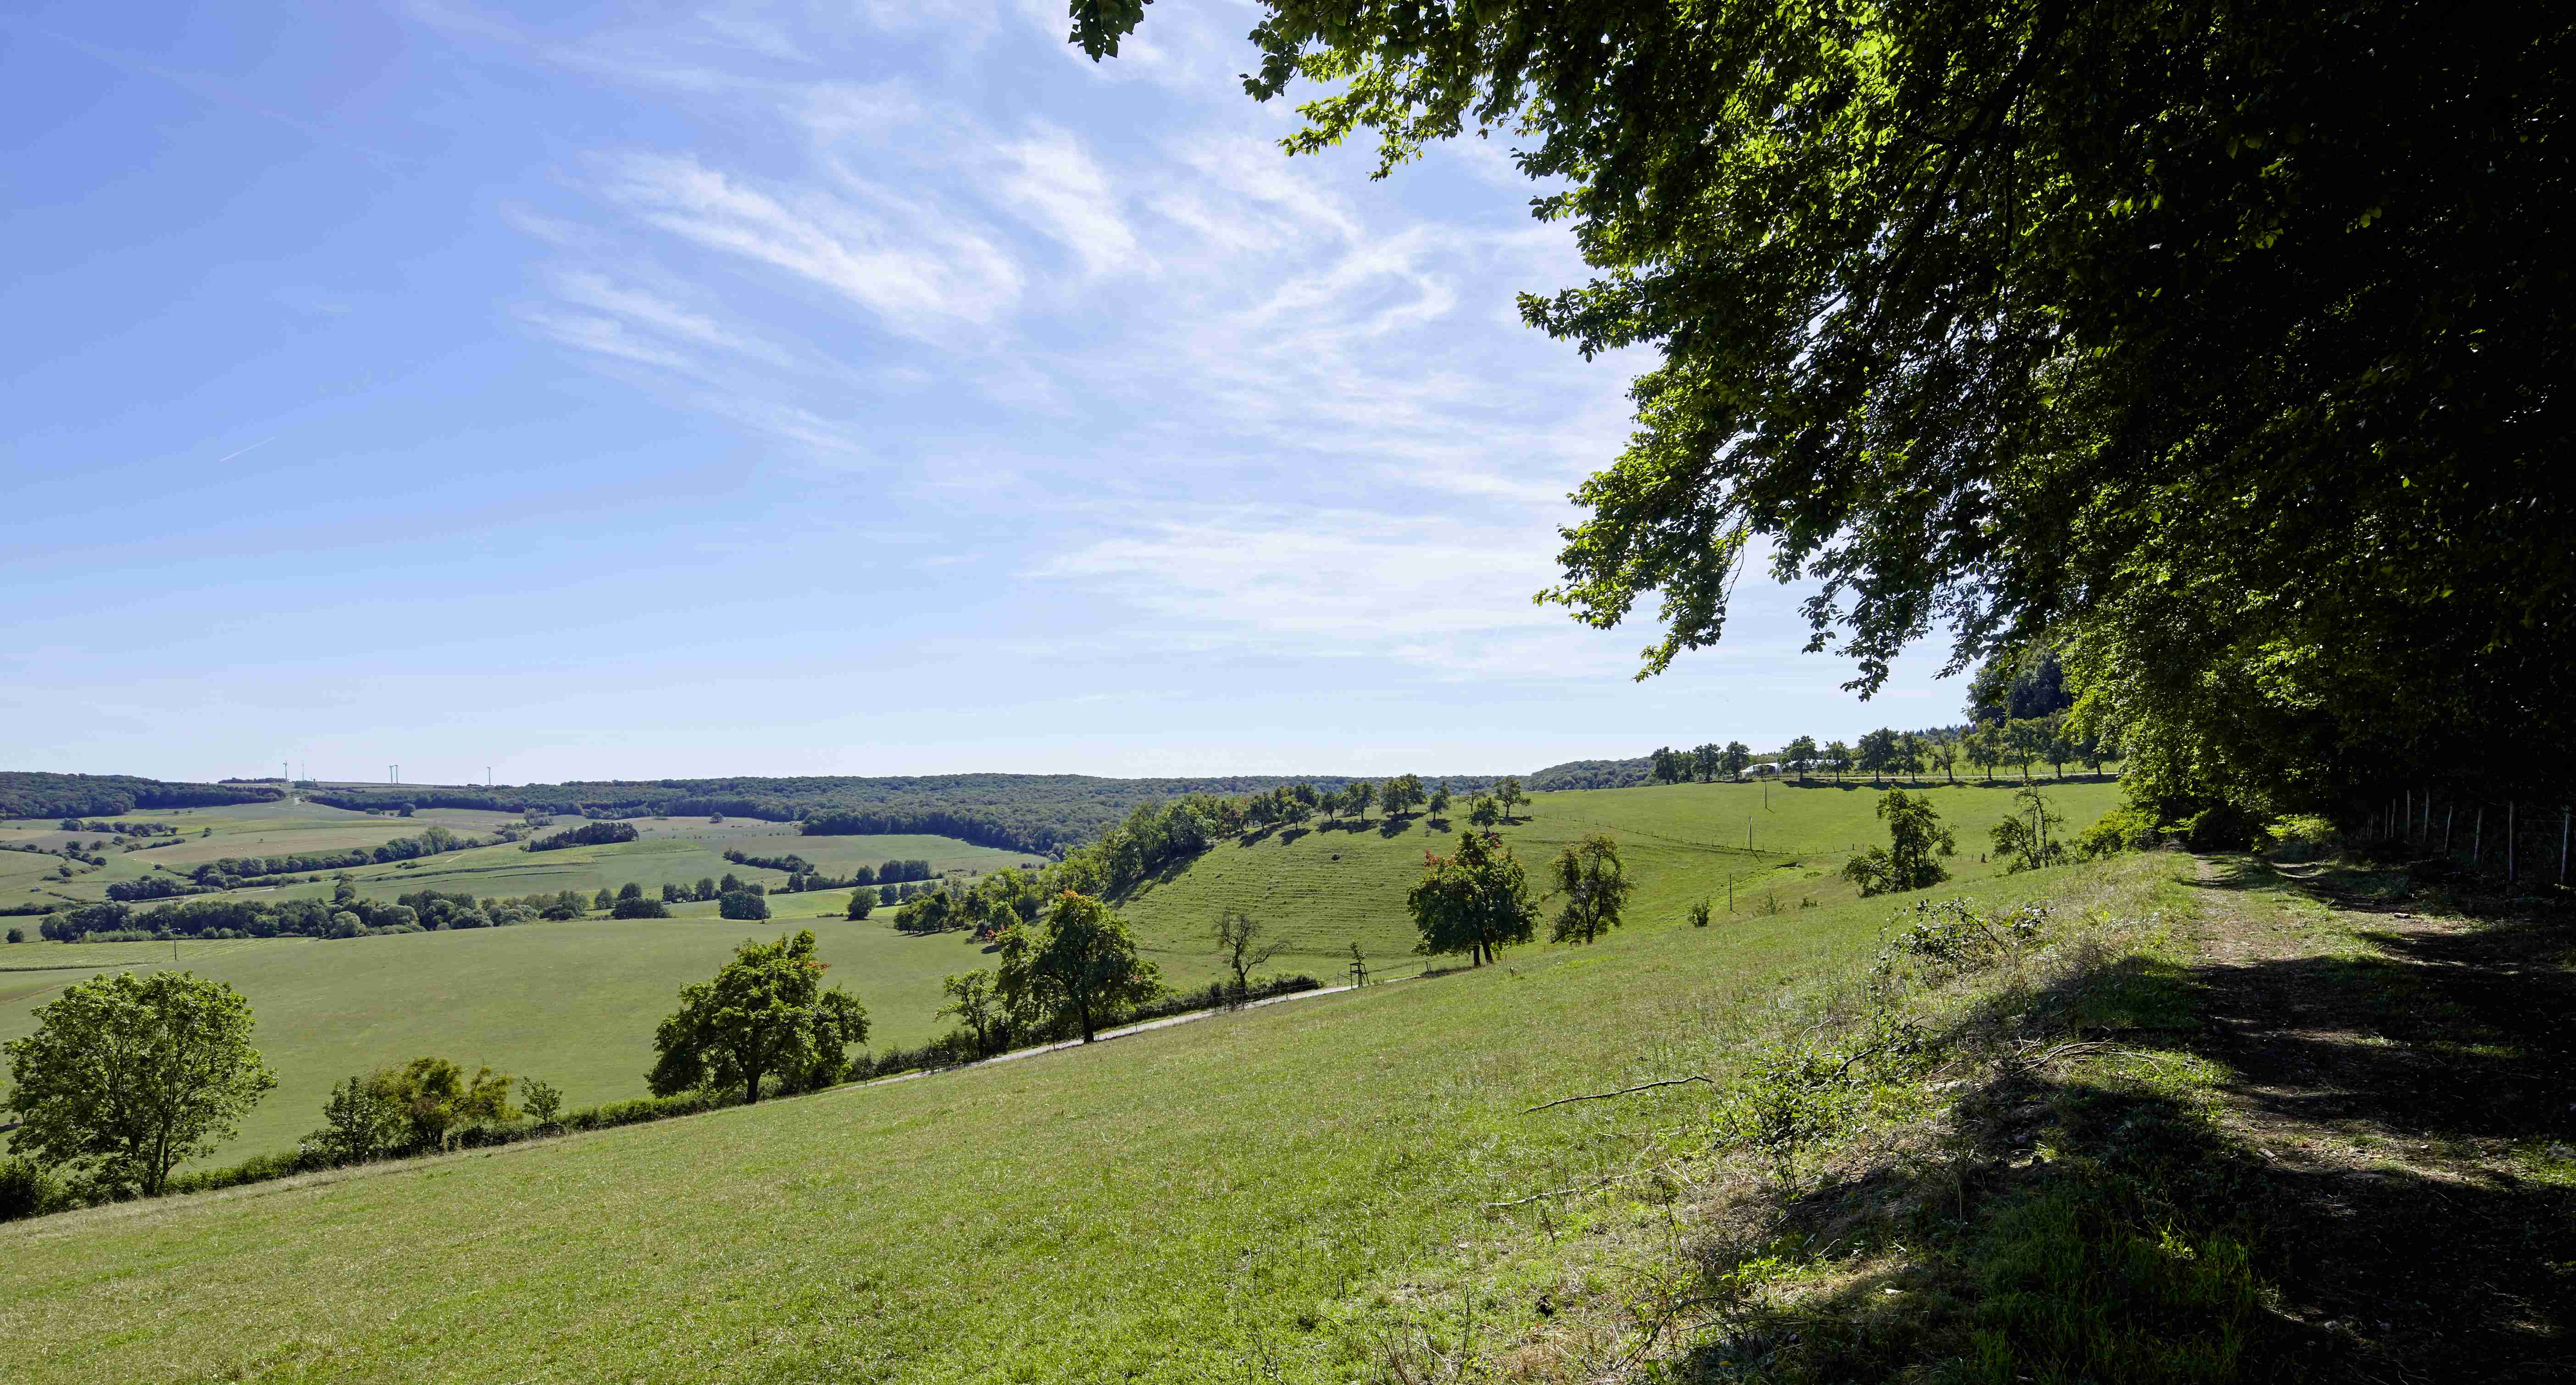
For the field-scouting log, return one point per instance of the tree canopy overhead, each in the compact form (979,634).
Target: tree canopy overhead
(2223,344)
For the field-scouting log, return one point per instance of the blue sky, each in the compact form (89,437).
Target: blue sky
(637,390)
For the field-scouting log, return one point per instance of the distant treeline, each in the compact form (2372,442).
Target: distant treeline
(892,872)
(1035,813)
(589,834)
(1594,774)
(36,794)
(232,870)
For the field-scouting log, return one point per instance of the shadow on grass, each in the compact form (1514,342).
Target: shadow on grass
(2358,1219)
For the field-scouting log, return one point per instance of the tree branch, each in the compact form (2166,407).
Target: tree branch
(1624,1091)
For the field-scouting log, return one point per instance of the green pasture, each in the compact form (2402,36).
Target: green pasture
(1274,1195)
(574,1003)
(1332,885)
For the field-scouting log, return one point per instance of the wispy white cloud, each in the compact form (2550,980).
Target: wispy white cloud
(1055,184)
(853,245)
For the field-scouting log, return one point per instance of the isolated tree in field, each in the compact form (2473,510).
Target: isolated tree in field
(126,1076)
(1732,760)
(1474,901)
(1840,755)
(973,1002)
(1915,835)
(1483,811)
(766,1013)
(603,900)
(1402,793)
(1440,801)
(1242,943)
(1945,753)
(863,902)
(742,904)
(1359,795)
(1909,754)
(2030,838)
(1594,884)
(1801,752)
(1669,766)
(543,1101)
(1508,793)
(1079,964)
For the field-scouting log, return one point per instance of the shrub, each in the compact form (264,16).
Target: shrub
(2128,827)
(17,935)
(26,1190)
(1699,914)
(640,908)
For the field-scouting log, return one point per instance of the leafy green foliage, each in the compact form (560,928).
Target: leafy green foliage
(765,1014)
(1078,964)
(1594,884)
(2222,349)
(1475,901)
(128,1076)
(1915,836)
(742,904)
(2029,838)
(542,1100)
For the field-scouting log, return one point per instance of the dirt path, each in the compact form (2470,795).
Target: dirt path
(2406,1074)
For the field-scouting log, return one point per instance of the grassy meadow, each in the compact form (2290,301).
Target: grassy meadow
(1333,885)
(1050,1219)
(576,1003)
(573,1003)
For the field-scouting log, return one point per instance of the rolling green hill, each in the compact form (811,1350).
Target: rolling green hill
(576,1003)
(573,1003)
(1334,886)
(1285,1194)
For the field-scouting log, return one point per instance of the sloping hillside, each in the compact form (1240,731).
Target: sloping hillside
(1277,1195)
(1339,884)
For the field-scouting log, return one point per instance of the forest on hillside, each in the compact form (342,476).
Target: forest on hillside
(37,794)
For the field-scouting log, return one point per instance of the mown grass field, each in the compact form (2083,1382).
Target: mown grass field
(573,1003)
(1272,1195)
(1331,886)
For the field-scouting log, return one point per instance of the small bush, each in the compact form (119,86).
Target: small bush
(2128,827)
(26,1190)
(1699,914)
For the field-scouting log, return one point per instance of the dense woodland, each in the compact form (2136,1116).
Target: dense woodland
(34,794)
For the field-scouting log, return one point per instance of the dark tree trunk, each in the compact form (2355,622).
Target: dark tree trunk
(751,1089)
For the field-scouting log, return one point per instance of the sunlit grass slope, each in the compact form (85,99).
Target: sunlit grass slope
(573,1003)
(1251,1197)
(1328,888)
